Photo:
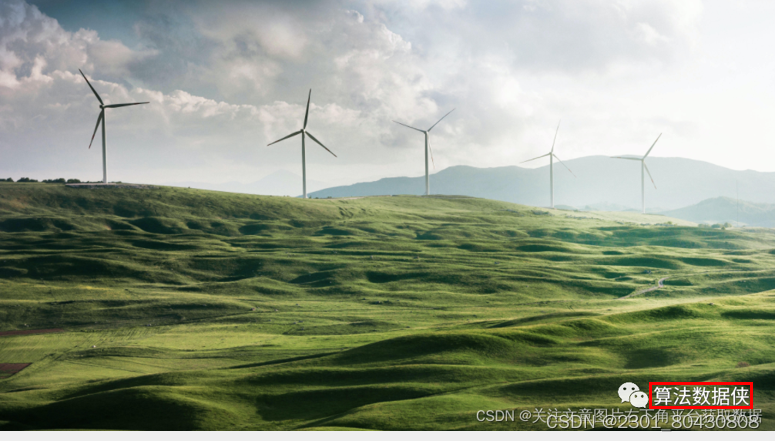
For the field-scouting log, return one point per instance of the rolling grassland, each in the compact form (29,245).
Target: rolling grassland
(189,309)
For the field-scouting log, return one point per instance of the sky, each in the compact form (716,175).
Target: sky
(226,78)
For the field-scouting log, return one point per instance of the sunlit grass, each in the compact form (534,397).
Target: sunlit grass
(192,309)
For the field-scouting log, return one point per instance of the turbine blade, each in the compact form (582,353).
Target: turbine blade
(90,87)
(647,171)
(625,157)
(555,156)
(289,136)
(415,128)
(652,146)
(440,119)
(321,144)
(99,120)
(113,106)
(538,157)
(431,150)
(306,114)
(555,136)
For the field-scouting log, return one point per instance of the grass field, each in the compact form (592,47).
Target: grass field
(191,309)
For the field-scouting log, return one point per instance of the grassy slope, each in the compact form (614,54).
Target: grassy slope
(381,313)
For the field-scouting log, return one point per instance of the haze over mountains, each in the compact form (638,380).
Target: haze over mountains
(279,183)
(686,189)
(601,183)
(723,209)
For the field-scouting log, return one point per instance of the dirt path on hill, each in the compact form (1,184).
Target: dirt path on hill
(645,290)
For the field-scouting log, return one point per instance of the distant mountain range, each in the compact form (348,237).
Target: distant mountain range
(723,209)
(601,183)
(279,183)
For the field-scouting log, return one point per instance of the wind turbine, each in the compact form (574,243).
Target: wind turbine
(101,119)
(427,148)
(304,133)
(643,167)
(552,157)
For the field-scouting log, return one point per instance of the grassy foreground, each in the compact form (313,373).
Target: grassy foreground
(190,309)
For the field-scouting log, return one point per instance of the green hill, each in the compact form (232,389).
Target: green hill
(189,309)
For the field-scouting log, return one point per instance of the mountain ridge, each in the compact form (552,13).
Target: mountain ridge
(724,209)
(600,181)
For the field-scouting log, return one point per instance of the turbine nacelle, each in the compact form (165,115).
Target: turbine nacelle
(101,120)
(428,147)
(643,168)
(551,153)
(303,130)
(304,133)
(552,157)
(642,160)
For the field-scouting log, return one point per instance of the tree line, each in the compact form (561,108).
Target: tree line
(47,181)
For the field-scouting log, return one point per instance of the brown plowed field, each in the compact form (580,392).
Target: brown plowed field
(8,369)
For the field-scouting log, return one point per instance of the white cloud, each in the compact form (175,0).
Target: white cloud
(27,35)
(226,79)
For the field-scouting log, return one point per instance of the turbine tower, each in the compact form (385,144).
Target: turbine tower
(643,167)
(427,149)
(101,119)
(552,157)
(304,133)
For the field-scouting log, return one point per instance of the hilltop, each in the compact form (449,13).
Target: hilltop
(188,309)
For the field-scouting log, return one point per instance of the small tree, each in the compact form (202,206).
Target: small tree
(73,181)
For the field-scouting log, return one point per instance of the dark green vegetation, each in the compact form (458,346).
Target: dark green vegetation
(188,309)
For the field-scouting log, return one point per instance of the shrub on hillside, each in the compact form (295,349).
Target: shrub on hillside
(27,180)
(54,181)
(73,181)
